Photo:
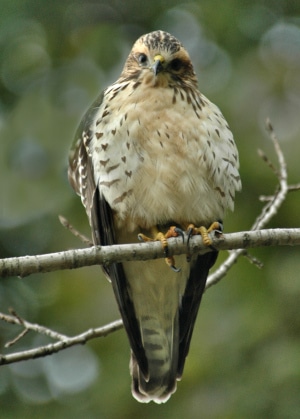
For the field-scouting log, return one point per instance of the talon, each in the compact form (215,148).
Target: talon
(143,238)
(220,228)
(215,226)
(171,263)
(189,234)
(179,232)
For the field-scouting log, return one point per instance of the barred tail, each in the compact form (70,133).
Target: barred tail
(161,346)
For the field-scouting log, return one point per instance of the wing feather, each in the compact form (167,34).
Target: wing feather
(100,215)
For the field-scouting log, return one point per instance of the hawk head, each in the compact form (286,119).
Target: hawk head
(158,58)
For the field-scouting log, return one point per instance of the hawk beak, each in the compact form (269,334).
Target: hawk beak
(157,66)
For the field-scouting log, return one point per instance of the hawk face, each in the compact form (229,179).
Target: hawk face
(159,59)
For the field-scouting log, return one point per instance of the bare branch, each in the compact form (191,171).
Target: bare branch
(72,259)
(294,188)
(16,319)
(62,344)
(274,204)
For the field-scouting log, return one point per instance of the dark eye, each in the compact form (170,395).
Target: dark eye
(176,64)
(143,59)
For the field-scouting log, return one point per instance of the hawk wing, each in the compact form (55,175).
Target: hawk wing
(82,179)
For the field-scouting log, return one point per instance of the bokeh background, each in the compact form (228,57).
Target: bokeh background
(55,57)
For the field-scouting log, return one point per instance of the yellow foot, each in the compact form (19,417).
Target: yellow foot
(204,232)
(163,238)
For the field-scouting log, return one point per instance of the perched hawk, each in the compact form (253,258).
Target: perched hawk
(151,153)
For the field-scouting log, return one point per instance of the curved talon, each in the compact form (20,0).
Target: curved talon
(141,238)
(173,267)
(179,232)
(220,228)
(171,263)
(189,234)
(215,226)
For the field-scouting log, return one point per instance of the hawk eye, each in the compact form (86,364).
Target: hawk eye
(143,59)
(176,64)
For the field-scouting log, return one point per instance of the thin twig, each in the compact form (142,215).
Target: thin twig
(273,205)
(294,188)
(65,223)
(16,339)
(52,348)
(16,319)
(266,159)
(254,260)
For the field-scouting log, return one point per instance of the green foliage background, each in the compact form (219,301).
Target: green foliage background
(55,57)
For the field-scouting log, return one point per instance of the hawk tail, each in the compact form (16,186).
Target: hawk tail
(161,348)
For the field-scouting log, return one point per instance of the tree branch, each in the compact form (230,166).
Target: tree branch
(96,255)
(52,348)
(14,318)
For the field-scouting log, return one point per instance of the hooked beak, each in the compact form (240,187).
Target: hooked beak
(157,66)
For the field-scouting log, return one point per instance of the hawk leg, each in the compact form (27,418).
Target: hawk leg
(163,238)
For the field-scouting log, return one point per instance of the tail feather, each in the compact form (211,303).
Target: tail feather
(161,348)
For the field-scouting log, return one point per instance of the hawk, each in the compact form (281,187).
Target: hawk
(153,153)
